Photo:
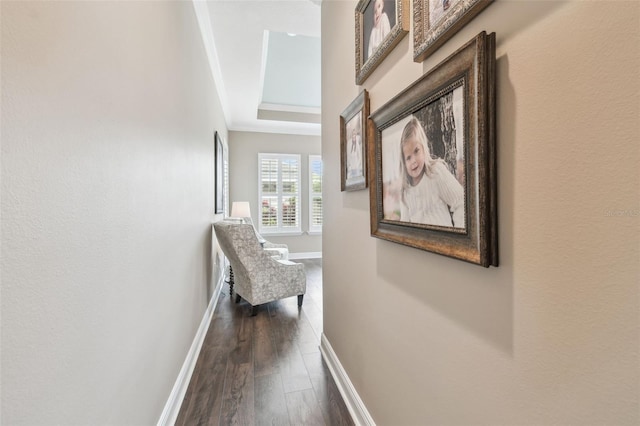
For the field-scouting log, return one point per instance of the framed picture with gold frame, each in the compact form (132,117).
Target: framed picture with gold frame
(436,21)
(432,159)
(380,25)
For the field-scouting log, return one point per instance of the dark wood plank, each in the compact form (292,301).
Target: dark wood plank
(294,373)
(265,355)
(238,396)
(304,409)
(242,342)
(204,403)
(284,315)
(238,400)
(313,301)
(314,317)
(334,410)
(271,404)
(292,368)
(306,338)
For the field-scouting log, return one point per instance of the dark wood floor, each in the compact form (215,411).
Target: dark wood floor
(267,369)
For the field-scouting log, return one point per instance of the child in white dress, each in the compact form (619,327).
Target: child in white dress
(354,156)
(381,27)
(430,193)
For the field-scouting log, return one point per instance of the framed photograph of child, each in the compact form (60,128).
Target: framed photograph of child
(436,21)
(432,159)
(353,144)
(380,25)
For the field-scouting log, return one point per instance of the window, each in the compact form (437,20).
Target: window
(279,193)
(315,194)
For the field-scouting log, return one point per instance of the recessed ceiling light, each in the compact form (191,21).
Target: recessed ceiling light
(292,34)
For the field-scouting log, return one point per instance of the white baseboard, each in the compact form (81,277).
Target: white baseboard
(306,255)
(172,407)
(356,407)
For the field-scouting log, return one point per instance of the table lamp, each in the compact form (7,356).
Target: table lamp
(241,210)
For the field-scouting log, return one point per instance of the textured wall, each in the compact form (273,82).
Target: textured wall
(551,336)
(243,177)
(108,114)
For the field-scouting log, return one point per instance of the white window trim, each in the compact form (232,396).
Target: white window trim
(280,230)
(313,229)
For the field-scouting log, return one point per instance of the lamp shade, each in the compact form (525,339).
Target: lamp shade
(240,209)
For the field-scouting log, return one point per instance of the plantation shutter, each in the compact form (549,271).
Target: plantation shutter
(315,193)
(279,194)
(269,194)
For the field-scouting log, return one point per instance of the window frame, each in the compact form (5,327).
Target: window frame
(280,195)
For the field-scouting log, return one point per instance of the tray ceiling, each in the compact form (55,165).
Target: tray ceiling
(265,60)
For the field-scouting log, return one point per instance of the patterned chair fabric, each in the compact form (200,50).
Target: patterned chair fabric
(259,278)
(278,251)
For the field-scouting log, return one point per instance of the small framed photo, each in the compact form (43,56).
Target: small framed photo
(432,159)
(353,144)
(380,25)
(436,21)
(219,175)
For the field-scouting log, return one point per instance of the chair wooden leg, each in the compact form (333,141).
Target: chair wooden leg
(237,298)
(231,281)
(300,297)
(254,311)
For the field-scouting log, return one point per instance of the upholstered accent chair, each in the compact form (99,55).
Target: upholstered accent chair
(259,277)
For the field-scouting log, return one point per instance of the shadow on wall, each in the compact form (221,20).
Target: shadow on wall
(514,16)
(479,299)
(521,15)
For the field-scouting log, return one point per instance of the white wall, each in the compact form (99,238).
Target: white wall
(243,176)
(551,336)
(108,116)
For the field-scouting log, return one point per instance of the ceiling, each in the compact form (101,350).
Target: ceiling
(265,61)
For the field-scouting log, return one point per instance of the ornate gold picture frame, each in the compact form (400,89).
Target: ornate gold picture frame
(353,144)
(380,25)
(436,21)
(432,159)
